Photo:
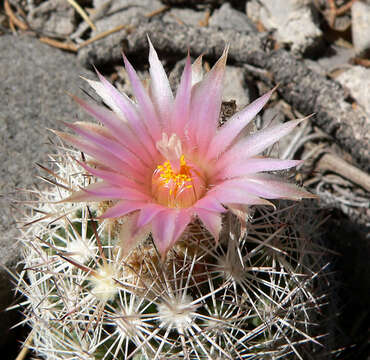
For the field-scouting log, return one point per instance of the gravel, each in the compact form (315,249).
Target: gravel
(361,27)
(31,101)
(357,80)
(294,21)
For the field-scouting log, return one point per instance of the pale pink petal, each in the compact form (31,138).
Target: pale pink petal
(104,191)
(119,129)
(163,227)
(241,211)
(111,192)
(212,221)
(100,155)
(205,106)
(148,212)
(197,71)
(254,165)
(160,87)
(122,208)
(267,186)
(107,96)
(129,112)
(113,178)
(182,221)
(84,195)
(210,203)
(229,131)
(111,146)
(146,107)
(182,101)
(129,235)
(256,143)
(234,194)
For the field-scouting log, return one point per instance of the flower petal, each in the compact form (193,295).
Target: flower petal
(209,203)
(104,157)
(212,221)
(128,110)
(163,226)
(118,128)
(197,71)
(233,194)
(109,94)
(148,212)
(267,186)
(113,177)
(122,208)
(182,221)
(110,192)
(129,235)
(229,131)
(256,143)
(254,165)
(110,146)
(160,87)
(182,102)
(146,107)
(206,104)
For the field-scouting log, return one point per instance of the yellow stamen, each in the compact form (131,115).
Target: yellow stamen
(176,180)
(176,183)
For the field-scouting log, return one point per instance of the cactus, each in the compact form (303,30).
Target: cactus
(254,295)
(149,246)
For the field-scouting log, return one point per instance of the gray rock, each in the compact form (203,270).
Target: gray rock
(294,21)
(235,86)
(34,79)
(357,81)
(121,12)
(338,59)
(124,12)
(54,17)
(185,16)
(228,18)
(361,27)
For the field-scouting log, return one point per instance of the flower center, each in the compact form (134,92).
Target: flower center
(177,189)
(176,183)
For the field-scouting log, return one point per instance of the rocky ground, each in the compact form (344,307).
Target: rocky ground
(316,50)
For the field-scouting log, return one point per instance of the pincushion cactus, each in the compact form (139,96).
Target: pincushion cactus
(163,257)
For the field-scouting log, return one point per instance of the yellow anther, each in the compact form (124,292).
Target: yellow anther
(167,175)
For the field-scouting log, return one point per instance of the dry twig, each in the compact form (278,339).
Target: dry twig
(13,18)
(103,35)
(58,44)
(158,11)
(339,166)
(23,353)
(82,13)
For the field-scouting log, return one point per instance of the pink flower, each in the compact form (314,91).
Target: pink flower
(166,159)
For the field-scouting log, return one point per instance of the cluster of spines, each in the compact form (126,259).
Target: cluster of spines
(250,297)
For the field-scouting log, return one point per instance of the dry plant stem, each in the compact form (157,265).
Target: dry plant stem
(157,12)
(103,35)
(96,15)
(335,164)
(334,11)
(344,8)
(13,18)
(205,21)
(59,44)
(82,13)
(332,14)
(23,353)
(362,62)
